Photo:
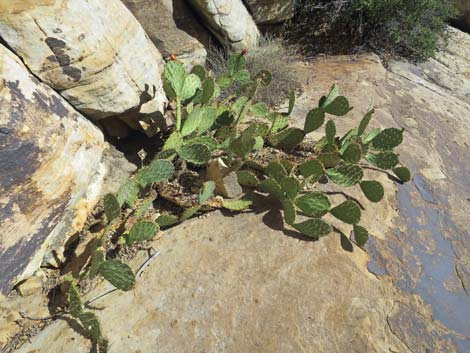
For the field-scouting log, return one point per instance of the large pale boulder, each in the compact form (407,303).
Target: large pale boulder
(178,36)
(229,21)
(94,52)
(270,12)
(51,170)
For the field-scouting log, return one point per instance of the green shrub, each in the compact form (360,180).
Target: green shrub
(410,28)
(272,54)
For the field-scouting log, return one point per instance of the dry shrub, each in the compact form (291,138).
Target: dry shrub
(272,54)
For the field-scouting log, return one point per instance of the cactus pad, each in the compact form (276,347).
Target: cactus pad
(312,169)
(361,235)
(290,187)
(289,139)
(388,139)
(348,212)
(75,302)
(142,231)
(403,173)
(118,274)
(345,175)
(339,106)
(246,178)
(373,190)
(289,211)
(383,160)
(259,109)
(353,153)
(128,193)
(207,191)
(314,203)
(166,220)
(196,153)
(157,171)
(112,209)
(237,205)
(330,130)
(272,187)
(365,122)
(313,228)
(314,120)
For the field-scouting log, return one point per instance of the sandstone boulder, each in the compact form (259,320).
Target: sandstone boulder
(51,171)
(270,12)
(172,28)
(229,21)
(94,52)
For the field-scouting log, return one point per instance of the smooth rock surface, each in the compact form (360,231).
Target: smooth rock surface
(270,12)
(51,170)
(229,21)
(94,52)
(171,35)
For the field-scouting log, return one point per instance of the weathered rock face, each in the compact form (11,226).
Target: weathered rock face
(269,12)
(51,170)
(229,21)
(169,34)
(94,52)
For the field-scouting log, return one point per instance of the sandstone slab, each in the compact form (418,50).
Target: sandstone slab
(271,12)
(52,168)
(171,35)
(229,21)
(95,53)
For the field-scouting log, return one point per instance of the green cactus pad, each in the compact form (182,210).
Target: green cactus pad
(174,74)
(334,92)
(243,145)
(143,207)
(224,82)
(372,134)
(97,258)
(142,231)
(75,302)
(289,211)
(118,274)
(276,170)
(279,123)
(290,187)
(207,191)
(348,212)
(403,173)
(338,107)
(102,345)
(196,153)
(388,139)
(189,212)
(199,71)
(329,156)
(91,325)
(207,91)
(246,178)
(259,109)
(314,120)
(383,160)
(291,103)
(372,189)
(289,138)
(128,193)
(312,169)
(365,122)
(345,175)
(314,203)
(313,228)
(361,235)
(272,187)
(236,63)
(157,171)
(173,142)
(242,77)
(191,84)
(205,140)
(112,209)
(239,104)
(198,119)
(237,205)
(166,220)
(330,131)
(353,153)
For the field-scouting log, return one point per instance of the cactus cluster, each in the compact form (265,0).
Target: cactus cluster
(211,122)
